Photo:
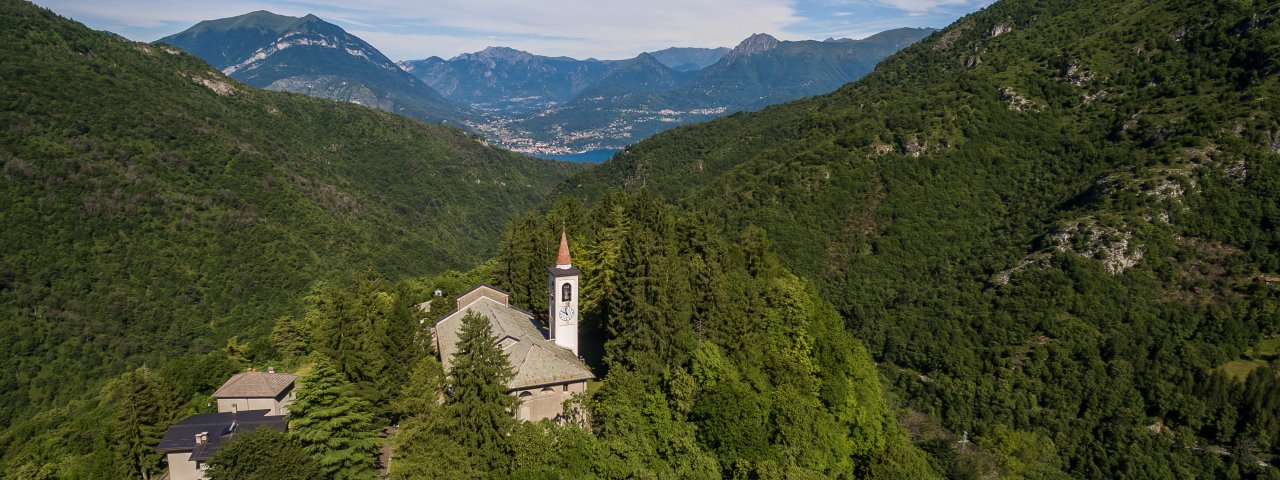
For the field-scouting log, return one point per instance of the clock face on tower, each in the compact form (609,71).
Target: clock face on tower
(566,313)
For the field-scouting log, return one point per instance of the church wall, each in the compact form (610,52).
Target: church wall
(545,402)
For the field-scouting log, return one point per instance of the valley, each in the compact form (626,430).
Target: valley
(1041,242)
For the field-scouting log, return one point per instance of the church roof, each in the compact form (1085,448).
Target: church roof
(534,359)
(562,258)
(255,385)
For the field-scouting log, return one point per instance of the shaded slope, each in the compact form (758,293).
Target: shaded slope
(160,207)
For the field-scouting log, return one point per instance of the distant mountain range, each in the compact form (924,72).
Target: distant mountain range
(533,103)
(642,96)
(311,56)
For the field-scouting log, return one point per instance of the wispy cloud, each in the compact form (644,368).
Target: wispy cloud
(406,29)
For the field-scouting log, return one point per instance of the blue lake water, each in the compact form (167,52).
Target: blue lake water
(594,156)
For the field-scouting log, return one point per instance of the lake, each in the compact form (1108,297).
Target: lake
(594,156)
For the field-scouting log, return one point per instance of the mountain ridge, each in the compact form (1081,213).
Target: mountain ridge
(311,56)
(565,113)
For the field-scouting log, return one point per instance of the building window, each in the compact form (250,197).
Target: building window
(566,292)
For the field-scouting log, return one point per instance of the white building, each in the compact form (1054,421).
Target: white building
(257,391)
(546,367)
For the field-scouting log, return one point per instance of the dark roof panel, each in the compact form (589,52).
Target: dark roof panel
(220,427)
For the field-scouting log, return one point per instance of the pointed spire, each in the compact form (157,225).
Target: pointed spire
(562,259)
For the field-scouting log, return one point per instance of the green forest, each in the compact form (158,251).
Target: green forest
(1042,243)
(153,208)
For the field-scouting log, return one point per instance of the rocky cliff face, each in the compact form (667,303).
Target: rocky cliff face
(757,43)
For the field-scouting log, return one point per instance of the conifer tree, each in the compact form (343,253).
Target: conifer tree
(142,416)
(478,404)
(288,338)
(334,424)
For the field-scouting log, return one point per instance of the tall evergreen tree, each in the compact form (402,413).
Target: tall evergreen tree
(334,424)
(478,404)
(143,413)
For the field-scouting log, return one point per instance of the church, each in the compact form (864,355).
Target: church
(545,363)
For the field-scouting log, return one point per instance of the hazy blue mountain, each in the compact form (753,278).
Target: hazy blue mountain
(499,74)
(308,55)
(684,59)
(759,71)
(643,74)
(535,103)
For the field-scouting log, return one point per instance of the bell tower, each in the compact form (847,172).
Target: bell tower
(562,283)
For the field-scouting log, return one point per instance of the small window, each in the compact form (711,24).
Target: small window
(548,390)
(566,292)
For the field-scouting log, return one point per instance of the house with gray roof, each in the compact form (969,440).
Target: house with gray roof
(546,370)
(247,400)
(257,390)
(188,445)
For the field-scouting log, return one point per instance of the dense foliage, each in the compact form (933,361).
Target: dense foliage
(1054,224)
(334,425)
(1054,216)
(154,209)
(263,454)
(719,362)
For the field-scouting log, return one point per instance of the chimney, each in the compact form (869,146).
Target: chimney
(202,437)
(271,369)
(235,408)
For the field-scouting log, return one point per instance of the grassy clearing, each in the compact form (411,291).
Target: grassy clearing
(1240,369)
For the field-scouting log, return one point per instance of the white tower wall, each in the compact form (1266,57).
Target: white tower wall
(564,313)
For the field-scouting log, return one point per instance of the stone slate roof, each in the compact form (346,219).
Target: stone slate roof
(181,437)
(255,385)
(534,359)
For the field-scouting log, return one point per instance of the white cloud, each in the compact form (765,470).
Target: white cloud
(579,28)
(919,7)
(582,27)
(410,29)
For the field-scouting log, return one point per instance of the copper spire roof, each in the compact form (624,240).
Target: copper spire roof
(563,257)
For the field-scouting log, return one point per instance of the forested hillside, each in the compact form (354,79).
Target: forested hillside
(1054,219)
(715,362)
(153,207)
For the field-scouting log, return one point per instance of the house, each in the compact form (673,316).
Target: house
(545,363)
(188,445)
(257,390)
(246,401)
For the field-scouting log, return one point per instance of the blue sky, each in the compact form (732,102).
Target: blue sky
(604,29)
